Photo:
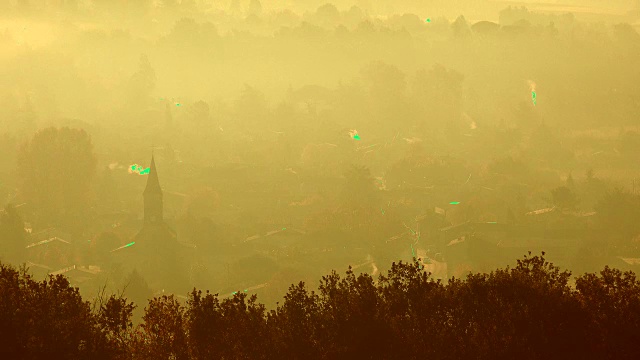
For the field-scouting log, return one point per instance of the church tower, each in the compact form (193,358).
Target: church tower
(156,248)
(153,205)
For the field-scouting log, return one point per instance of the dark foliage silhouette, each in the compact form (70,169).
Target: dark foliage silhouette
(529,311)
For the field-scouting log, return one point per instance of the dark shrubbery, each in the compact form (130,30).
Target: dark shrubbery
(529,311)
(49,320)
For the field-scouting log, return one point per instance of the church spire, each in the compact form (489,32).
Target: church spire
(153,206)
(153,184)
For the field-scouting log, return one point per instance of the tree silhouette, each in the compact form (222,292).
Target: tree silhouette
(137,289)
(57,168)
(564,198)
(612,299)
(13,237)
(141,84)
(103,244)
(528,311)
(114,319)
(49,319)
(359,187)
(439,95)
(617,212)
(163,330)
(295,323)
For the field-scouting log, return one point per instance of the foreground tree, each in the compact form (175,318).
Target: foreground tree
(612,299)
(163,335)
(49,320)
(528,311)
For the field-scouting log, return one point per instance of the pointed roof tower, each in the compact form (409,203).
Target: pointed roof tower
(153,184)
(153,212)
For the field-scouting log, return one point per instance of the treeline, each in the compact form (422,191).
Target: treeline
(531,311)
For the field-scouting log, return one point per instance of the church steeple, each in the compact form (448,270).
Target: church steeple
(153,212)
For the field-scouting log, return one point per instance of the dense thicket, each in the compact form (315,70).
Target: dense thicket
(531,311)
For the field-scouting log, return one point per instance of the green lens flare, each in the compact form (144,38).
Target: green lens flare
(533,97)
(135,168)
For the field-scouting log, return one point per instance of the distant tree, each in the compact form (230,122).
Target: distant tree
(142,84)
(589,174)
(189,5)
(626,34)
(359,187)
(461,28)
(251,108)
(387,95)
(56,169)
(202,202)
(439,95)
(629,143)
(13,237)
(199,112)
(418,169)
(24,5)
(103,244)
(234,7)
(617,212)
(107,198)
(168,117)
(138,7)
(135,287)
(544,143)
(27,118)
(8,147)
(328,15)
(571,184)
(192,37)
(255,7)
(564,198)
(354,16)
(104,4)
(511,217)
(169,3)
(203,232)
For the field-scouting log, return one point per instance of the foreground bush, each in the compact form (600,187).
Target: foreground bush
(49,320)
(529,312)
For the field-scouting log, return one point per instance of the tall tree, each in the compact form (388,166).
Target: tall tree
(387,90)
(12,235)
(564,198)
(359,187)
(57,168)
(439,92)
(618,212)
(163,327)
(141,84)
(49,319)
